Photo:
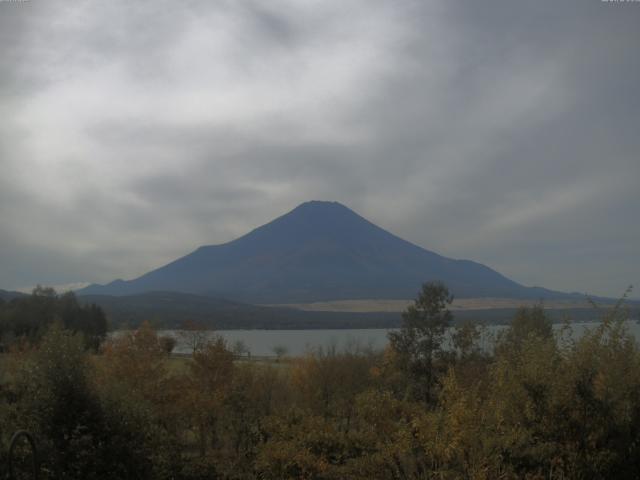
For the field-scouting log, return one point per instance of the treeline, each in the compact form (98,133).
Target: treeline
(538,405)
(27,318)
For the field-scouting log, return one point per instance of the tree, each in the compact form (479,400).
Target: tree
(240,348)
(138,362)
(527,322)
(60,407)
(279,351)
(211,373)
(140,404)
(194,335)
(465,339)
(31,316)
(167,343)
(419,340)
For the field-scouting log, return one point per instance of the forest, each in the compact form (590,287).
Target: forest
(537,404)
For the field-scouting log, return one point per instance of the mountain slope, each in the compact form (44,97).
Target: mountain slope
(318,251)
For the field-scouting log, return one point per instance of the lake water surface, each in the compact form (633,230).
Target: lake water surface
(298,342)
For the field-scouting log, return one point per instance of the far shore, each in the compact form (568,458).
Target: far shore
(382,305)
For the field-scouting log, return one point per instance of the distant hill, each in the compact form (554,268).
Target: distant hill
(319,251)
(171,309)
(8,295)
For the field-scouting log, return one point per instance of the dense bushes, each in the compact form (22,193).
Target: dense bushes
(538,405)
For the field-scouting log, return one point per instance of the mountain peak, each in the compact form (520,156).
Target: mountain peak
(322,208)
(314,220)
(320,204)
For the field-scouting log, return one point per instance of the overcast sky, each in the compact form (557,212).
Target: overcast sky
(500,131)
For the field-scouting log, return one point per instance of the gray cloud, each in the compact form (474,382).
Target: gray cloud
(498,131)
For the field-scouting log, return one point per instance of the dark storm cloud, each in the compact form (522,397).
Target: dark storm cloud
(505,132)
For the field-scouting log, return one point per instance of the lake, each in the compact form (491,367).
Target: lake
(297,342)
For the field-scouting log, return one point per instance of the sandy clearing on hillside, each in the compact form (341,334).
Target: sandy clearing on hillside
(380,305)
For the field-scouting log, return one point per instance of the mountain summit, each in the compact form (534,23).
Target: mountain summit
(318,251)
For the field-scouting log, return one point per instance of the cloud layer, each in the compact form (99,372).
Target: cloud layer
(498,131)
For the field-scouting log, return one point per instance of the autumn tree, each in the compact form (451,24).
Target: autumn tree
(138,361)
(139,400)
(210,375)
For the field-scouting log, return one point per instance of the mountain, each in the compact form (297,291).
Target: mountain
(319,251)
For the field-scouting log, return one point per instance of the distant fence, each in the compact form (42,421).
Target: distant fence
(250,358)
